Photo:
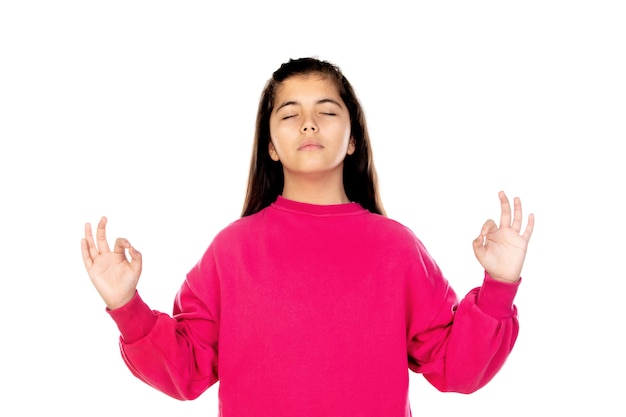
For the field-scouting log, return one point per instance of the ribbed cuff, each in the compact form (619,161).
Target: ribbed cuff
(495,298)
(134,319)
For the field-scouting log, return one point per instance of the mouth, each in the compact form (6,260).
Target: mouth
(309,145)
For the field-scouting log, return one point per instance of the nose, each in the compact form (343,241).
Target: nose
(308,125)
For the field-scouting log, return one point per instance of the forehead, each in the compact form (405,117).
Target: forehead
(299,87)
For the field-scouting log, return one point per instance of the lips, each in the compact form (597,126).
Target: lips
(309,144)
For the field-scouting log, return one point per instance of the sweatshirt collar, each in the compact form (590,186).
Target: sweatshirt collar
(284,204)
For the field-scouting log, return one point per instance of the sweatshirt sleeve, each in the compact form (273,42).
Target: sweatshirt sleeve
(175,354)
(465,342)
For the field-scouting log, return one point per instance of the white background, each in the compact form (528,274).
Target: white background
(143,111)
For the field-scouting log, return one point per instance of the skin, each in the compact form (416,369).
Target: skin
(310,136)
(111,272)
(501,250)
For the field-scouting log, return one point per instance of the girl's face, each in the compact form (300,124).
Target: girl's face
(310,127)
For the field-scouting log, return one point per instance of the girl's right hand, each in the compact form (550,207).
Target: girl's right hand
(113,275)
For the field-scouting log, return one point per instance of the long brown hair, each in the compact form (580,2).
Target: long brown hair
(266,178)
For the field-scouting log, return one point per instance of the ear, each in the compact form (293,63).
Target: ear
(351,146)
(272,152)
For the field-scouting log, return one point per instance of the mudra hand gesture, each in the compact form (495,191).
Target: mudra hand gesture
(113,275)
(501,250)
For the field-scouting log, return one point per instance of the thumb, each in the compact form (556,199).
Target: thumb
(479,243)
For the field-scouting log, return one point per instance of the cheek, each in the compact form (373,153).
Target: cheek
(276,142)
(277,130)
(344,128)
(346,135)
(281,133)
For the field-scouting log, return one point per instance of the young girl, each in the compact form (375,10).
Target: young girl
(314,303)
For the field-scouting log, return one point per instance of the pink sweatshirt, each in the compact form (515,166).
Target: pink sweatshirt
(307,310)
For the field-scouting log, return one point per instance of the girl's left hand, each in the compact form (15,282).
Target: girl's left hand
(502,250)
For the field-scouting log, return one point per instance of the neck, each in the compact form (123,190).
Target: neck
(315,190)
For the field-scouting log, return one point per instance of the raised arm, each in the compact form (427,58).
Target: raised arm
(112,273)
(501,250)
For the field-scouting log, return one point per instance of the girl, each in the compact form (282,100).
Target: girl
(314,303)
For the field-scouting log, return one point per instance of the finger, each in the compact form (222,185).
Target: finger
(101,235)
(505,216)
(480,241)
(517,214)
(84,248)
(91,246)
(529,227)
(121,245)
(488,227)
(136,259)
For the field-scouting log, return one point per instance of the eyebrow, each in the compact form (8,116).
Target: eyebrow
(322,101)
